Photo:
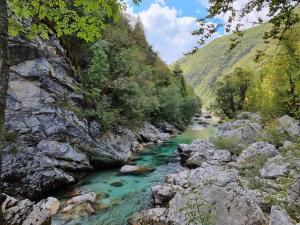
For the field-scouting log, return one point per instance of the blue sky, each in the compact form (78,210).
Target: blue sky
(169,23)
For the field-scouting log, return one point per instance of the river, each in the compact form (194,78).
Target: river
(119,196)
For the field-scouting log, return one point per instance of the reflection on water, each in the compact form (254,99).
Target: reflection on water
(119,196)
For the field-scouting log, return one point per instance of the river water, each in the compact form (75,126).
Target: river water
(119,196)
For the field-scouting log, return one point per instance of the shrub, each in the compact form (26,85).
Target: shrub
(232,144)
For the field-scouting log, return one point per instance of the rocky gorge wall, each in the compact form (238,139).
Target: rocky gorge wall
(48,146)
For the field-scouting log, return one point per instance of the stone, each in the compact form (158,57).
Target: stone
(289,125)
(89,197)
(26,212)
(258,148)
(279,216)
(129,169)
(274,167)
(294,193)
(150,133)
(156,216)
(164,193)
(255,117)
(245,130)
(117,184)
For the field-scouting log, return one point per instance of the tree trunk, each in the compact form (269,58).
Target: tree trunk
(3,83)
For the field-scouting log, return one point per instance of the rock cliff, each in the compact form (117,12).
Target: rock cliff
(48,145)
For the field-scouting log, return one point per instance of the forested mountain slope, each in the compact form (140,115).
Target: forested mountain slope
(214,60)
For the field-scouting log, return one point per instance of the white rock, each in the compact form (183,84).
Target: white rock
(274,167)
(279,216)
(90,197)
(164,193)
(129,169)
(258,148)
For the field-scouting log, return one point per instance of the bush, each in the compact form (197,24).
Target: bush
(273,135)
(232,144)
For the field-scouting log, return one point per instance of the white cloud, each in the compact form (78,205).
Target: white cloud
(168,32)
(248,20)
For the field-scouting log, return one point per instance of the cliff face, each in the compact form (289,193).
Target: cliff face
(49,146)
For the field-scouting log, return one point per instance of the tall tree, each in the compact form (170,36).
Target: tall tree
(3,83)
(82,18)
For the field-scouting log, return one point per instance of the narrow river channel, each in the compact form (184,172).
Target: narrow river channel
(119,196)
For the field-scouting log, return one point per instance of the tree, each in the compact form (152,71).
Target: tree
(231,94)
(3,83)
(281,13)
(82,18)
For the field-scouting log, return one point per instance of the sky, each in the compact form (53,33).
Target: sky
(168,24)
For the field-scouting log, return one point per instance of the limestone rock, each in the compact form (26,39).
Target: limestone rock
(244,130)
(164,193)
(274,167)
(26,212)
(294,193)
(289,125)
(150,133)
(258,148)
(279,216)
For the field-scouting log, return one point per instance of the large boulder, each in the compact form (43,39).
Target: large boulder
(150,133)
(26,212)
(246,131)
(164,193)
(275,167)
(289,125)
(258,149)
(200,151)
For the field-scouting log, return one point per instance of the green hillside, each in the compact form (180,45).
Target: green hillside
(214,60)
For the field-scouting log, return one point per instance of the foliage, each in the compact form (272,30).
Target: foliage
(232,144)
(273,86)
(282,15)
(251,165)
(127,82)
(231,95)
(198,211)
(273,135)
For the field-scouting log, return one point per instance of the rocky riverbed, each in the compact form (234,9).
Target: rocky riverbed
(241,180)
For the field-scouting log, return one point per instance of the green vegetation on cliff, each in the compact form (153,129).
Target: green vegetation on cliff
(231,81)
(127,83)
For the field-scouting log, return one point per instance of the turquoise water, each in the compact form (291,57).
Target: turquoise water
(119,196)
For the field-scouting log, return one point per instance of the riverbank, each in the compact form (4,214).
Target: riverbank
(237,178)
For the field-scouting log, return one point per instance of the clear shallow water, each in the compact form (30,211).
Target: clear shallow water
(119,196)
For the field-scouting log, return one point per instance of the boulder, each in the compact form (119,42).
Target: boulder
(259,148)
(26,212)
(89,197)
(274,167)
(244,130)
(150,133)
(294,193)
(289,125)
(279,216)
(156,216)
(164,193)
(254,117)
(129,169)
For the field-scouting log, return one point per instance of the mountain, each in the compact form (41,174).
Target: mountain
(213,61)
